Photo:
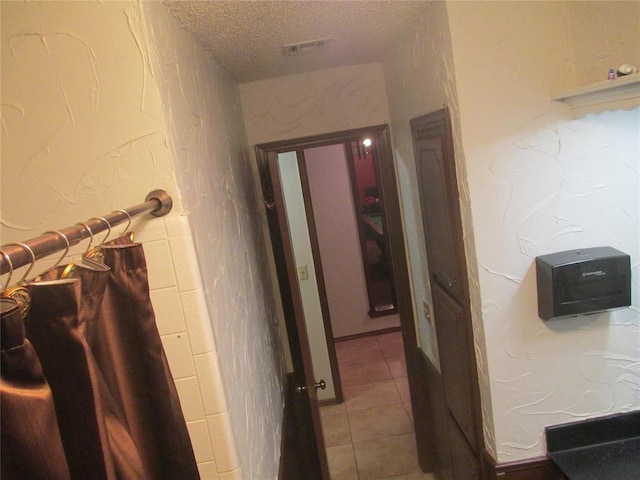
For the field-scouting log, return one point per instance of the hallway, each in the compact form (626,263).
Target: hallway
(370,436)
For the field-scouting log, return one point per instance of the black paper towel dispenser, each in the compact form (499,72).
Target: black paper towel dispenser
(582,281)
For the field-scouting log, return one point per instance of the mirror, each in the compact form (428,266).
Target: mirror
(369,205)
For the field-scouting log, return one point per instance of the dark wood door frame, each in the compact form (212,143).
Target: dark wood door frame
(265,154)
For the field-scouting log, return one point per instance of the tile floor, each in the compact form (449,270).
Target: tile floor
(370,436)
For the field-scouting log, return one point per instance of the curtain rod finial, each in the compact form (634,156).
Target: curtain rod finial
(166,202)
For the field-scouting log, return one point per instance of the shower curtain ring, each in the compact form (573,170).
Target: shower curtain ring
(66,239)
(102,219)
(33,259)
(8,257)
(20,294)
(90,233)
(128,224)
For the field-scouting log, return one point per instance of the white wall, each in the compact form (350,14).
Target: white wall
(313,103)
(339,243)
(213,171)
(420,79)
(604,35)
(538,182)
(541,183)
(83,134)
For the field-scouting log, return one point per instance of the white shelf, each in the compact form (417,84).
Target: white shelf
(621,93)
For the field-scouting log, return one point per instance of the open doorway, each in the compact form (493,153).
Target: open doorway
(267,155)
(344,271)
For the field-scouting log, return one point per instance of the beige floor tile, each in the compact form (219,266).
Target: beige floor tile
(397,367)
(361,373)
(370,436)
(361,397)
(409,410)
(334,409)
(386,457)
(391,336)
(391,344)
(336,430)
(358,351)
(402,384)
(378,422)
(342,463)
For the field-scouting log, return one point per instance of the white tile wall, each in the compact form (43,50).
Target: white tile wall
(200,440)
(183,322)
(208,471)
(158,254)
(185,263)
(220,428)
(168,310)
(210,383)
(179,355)
(190,398)
(197,321)
(232,475)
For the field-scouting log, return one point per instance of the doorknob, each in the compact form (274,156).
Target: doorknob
(321,385)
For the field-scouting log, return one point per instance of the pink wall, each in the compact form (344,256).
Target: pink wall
(334,214)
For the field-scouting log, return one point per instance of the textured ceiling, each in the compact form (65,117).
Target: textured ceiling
(247,36)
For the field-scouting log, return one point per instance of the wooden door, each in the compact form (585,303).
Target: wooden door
(303,453)
(440,213)
(452,326)
(460,416)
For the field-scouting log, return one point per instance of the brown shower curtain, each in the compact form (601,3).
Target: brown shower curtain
(31,444)
(116,406)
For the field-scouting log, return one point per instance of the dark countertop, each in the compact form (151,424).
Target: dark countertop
(605,448)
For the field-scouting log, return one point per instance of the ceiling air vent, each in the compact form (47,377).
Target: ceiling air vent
(295,49)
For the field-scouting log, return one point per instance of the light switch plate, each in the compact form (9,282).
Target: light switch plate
(303,273)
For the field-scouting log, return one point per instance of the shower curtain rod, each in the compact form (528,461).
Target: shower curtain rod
(157,202)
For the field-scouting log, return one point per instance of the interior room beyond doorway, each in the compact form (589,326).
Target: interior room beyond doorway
(335,275)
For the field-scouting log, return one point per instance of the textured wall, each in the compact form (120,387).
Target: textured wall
(83,134)
(539,183)
(420,78)
(313,103)
(531,182)
(605,35)
(206,136)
